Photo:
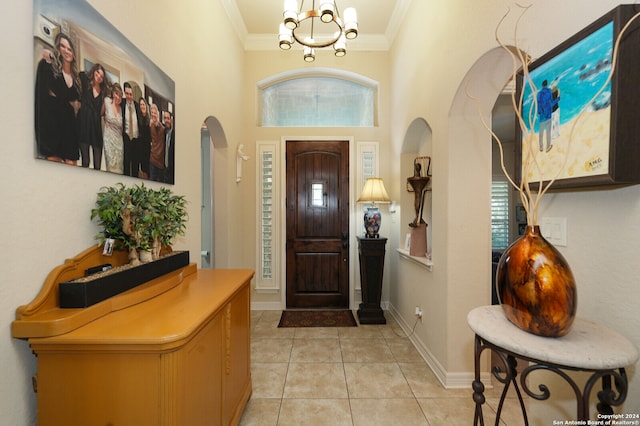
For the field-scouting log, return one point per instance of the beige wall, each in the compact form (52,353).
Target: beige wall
(262,65)
(602,224)
(46,206)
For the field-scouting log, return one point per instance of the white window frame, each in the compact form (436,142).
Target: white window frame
(506,211)
(268,282)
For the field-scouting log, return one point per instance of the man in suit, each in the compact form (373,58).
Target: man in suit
(130,133)
(169,148)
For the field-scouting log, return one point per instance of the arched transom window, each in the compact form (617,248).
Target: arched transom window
(318,101)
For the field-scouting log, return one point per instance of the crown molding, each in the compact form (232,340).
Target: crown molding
(395,22)
(236,20)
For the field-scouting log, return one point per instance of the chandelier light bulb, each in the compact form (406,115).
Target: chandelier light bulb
(290,14)
(340,46)
(285,37)
(350,23)
(309,54)
(327,10)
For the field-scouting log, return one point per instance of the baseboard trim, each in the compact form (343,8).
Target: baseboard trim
(459,380)
(266,306)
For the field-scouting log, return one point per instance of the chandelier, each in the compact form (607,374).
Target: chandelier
(317,28)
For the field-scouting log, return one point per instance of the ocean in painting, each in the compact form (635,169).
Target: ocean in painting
(579,73)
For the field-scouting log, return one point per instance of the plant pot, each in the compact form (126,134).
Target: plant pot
(146,256)
(536,287)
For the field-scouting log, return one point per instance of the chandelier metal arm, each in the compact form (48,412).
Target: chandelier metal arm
(327,13)
(312,14)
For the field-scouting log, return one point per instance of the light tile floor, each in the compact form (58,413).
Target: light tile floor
(366,375)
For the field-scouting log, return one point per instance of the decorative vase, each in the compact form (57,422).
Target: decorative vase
(146,256)
(372,219)
(536,286)
(418,246)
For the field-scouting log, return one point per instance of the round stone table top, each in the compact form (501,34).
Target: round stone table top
(588,346)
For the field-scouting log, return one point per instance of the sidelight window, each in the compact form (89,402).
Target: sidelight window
(267,274)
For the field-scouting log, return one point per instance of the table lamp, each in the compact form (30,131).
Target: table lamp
(373,192)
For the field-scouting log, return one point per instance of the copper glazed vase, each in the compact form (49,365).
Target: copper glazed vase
(536,286)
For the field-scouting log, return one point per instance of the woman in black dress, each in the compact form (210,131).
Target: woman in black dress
(144,139)
(94,87)
(57,101)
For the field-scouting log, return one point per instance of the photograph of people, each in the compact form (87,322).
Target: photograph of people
(113,144)
(169,147)
(57,100)
(156,158)
(144,138)
(131,132)
(94,89)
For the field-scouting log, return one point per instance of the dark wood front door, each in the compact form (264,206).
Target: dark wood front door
(317,224)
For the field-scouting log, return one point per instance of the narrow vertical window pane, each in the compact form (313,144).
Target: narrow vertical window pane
(499,215)
(266,236)
(317,195)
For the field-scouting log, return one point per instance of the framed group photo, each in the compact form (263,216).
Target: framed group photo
(100,103)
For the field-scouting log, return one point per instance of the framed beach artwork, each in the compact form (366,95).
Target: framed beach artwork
(582,122)
(100,103)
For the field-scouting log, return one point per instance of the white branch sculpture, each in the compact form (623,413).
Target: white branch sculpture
(531,199)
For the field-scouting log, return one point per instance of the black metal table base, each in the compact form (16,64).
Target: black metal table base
(607,397)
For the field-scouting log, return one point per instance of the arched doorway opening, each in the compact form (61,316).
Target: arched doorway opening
(213,146)
(470,168)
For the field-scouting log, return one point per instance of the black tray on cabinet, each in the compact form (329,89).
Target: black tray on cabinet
(81,294)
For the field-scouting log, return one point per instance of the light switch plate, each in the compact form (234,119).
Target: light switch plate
(554,230)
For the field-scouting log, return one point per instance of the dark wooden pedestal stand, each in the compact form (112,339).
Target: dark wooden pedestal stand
(371,252)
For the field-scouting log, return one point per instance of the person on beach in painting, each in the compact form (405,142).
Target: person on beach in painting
(546,102)
(57,101)
(555,111)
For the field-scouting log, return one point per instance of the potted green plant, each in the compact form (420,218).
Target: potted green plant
(139,218)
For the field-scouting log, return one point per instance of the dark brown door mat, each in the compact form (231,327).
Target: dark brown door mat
(316,318)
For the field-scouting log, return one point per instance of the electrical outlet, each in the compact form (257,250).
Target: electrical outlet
(418,312)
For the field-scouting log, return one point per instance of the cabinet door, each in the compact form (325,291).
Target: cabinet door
(202,376)
(97,388)
(237,357)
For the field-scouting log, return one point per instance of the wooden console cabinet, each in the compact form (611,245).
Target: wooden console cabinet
(173,351)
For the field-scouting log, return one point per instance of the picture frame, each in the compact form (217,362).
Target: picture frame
(93,107)
(521,214)
(603,148)
(407,241)
(522,228)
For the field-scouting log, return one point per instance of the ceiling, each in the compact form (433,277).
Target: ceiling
(257,21)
